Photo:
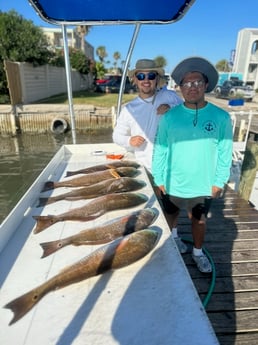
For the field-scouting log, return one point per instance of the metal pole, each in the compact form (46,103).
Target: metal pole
(128,57)
(69,82)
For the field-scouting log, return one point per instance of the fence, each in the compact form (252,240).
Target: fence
(41,118)
(29,84)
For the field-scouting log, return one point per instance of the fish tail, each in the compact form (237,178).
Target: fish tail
(51,247)
(23,304)
(44,201)
(48,185)
(70,173)
(43,222)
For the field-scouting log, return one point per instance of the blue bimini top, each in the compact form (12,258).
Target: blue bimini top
(99,12)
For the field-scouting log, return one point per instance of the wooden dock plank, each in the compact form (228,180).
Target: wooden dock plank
(232,242)
(238,301)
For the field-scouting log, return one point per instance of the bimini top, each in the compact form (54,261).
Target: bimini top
(97,12)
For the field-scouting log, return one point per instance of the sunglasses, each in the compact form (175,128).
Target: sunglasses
(150,76)
(195,84)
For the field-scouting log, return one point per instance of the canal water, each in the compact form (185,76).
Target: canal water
(22,159)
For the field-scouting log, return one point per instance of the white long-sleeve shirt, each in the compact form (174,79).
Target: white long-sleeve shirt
(139,117)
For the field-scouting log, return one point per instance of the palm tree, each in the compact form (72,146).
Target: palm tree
(116,57)
(101,52)
(82,31)
(223,66)
(160,61)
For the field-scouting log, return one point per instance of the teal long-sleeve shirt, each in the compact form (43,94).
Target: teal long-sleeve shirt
(188,160)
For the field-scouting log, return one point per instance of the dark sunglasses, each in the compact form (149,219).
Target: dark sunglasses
(150,76)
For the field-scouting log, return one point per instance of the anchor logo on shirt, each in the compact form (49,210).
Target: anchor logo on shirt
(209,127)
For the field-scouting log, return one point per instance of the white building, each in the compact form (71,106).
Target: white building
(246,58)
(74,38)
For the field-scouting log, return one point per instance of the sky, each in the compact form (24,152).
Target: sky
(209,29)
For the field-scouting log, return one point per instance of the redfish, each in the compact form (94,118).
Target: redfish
(101,167)
(106,232)
(93,209)
(117,254)
(122,184)
(92,178)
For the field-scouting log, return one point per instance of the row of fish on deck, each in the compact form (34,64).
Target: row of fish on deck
(125,239)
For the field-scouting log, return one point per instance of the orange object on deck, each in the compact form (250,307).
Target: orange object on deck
(114,156)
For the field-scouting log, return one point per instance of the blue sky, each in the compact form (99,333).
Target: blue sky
(208,29)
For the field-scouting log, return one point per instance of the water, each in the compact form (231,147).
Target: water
(24,157)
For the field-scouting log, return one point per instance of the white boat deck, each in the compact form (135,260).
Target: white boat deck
(152,301)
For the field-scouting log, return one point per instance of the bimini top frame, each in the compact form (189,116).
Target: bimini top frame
(107,12)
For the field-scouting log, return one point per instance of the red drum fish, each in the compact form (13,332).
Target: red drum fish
(122,184)
(106,232)
(92,178)
(101,167)
(117,254)
(93,209)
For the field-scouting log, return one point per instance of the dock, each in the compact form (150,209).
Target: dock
(232,242)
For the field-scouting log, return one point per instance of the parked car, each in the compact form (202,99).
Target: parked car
(233,88)
(113,85)
(104,80)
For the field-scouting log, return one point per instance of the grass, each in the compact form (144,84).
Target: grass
(89,97)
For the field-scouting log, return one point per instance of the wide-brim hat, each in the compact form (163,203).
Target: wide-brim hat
(146,65)
(196,64)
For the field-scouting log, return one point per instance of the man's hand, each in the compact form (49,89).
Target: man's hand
(136,141)
(162,109)
(162,189)
(216,191)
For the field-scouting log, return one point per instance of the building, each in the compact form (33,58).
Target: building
(246,58)
(75,38)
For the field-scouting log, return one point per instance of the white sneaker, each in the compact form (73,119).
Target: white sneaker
(182,247)
(202,262)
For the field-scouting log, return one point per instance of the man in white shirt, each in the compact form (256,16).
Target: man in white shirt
(138,120)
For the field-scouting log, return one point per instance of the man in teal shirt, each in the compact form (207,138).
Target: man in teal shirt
(193,152)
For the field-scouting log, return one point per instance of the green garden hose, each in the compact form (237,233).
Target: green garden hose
(213,277)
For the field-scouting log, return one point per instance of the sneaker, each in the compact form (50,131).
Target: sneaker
(202,263)
(182,247)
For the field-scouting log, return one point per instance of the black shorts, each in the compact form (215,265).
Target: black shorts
(167,204)
(196,206)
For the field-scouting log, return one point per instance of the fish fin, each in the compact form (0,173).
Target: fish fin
(50,247)
(48,185)
(114,173)
(23,304)
(43,222)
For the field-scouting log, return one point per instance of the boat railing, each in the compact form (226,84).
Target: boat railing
(241,122)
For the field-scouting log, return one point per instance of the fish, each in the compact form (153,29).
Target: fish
(122,184)
(101,167)
(93,209)
(92,178)
(106,232)
(117,254)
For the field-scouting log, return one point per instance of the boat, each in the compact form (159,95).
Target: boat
(151,301)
